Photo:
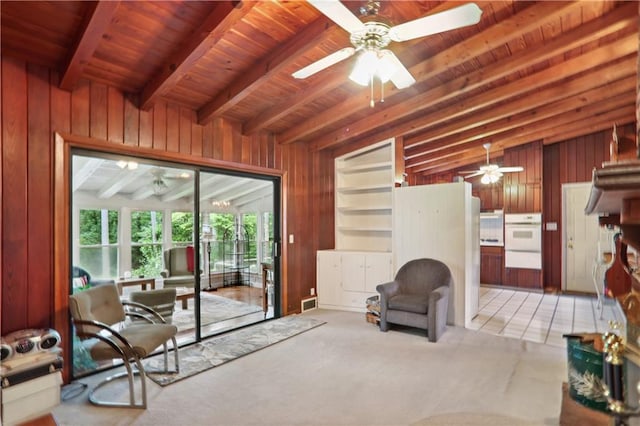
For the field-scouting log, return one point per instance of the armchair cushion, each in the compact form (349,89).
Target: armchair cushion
(417,303)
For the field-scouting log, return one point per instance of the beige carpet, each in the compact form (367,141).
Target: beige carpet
(216,351)
(473,419)
(347,372)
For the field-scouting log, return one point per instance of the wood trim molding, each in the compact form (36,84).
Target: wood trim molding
(64,143)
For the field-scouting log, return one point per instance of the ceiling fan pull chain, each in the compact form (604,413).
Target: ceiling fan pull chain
(371,103)
(381,92)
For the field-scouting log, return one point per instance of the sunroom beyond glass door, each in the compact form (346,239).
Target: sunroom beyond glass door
(234,293)
(138,224)
(126,214)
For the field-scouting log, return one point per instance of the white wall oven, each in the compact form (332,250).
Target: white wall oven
(523,240)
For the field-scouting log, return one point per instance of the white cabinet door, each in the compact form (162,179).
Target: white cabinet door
(353,272)
(328,278)
(377,270)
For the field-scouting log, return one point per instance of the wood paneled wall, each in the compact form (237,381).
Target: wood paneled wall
(570,161)
(33,108)
(523,190)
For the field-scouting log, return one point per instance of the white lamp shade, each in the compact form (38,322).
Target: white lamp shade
(365,67)
(387,65)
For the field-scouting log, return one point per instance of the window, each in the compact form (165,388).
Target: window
(146,243)
(218,223)
(98,248)
(267,237)
(182,229)
(249,221)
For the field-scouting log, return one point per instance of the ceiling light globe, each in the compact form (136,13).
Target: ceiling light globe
(486,179)
(366,66)
(387,67)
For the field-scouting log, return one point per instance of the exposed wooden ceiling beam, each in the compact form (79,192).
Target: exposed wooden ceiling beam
(570,126)
(530,132)
(468,115)
(97,20)
(614,21)
(322,83)
(528,20)
(224,15)
(623,89)
(517,89)
(264,70)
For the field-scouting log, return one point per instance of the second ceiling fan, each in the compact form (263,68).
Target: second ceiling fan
(372,37)
(491,173)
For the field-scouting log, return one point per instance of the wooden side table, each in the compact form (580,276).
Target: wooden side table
(184,296)
(143,282)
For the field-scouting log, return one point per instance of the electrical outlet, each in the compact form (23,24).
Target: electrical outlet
(313,291)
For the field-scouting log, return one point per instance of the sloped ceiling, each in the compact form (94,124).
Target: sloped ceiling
(527,71)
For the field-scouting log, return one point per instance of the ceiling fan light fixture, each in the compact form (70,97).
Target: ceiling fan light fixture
(387,66)
(365,68)
(223,204)
(490,177)
(131,165)
(159,186)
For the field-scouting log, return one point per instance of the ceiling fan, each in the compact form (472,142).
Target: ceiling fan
(160,178)
(491,173)
(372,36)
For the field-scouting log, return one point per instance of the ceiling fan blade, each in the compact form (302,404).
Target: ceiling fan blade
(325,62)
(461,16)
(474,174)
(401,77)
(510,169)
(339,14)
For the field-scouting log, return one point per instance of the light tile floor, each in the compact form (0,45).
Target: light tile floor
(539,317)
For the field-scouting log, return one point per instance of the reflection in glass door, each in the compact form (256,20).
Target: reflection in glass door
(236,233)
(137,224)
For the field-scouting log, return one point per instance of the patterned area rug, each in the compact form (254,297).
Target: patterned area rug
(213,309)
(216,351)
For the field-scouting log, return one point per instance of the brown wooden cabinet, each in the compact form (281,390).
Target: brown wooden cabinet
(491,265)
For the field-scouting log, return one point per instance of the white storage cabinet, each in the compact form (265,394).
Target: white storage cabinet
(346,279)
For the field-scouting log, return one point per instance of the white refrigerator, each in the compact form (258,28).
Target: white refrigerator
(442,222)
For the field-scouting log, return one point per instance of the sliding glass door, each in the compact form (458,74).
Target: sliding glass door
(210,234)
(232,208)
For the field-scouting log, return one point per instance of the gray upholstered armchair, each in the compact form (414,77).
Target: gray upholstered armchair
(176,272)
(417,297)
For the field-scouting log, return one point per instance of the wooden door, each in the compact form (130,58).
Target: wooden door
(580,238)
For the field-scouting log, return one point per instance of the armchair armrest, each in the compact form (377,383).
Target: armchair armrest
(439,293)
(388,290)
(164,273)
(117,342)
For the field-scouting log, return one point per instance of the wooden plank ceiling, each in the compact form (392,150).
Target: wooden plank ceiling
(527,71)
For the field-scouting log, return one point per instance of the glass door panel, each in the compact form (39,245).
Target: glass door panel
(231,210)
(141,224)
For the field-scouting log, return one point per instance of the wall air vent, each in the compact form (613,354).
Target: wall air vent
(308,304)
